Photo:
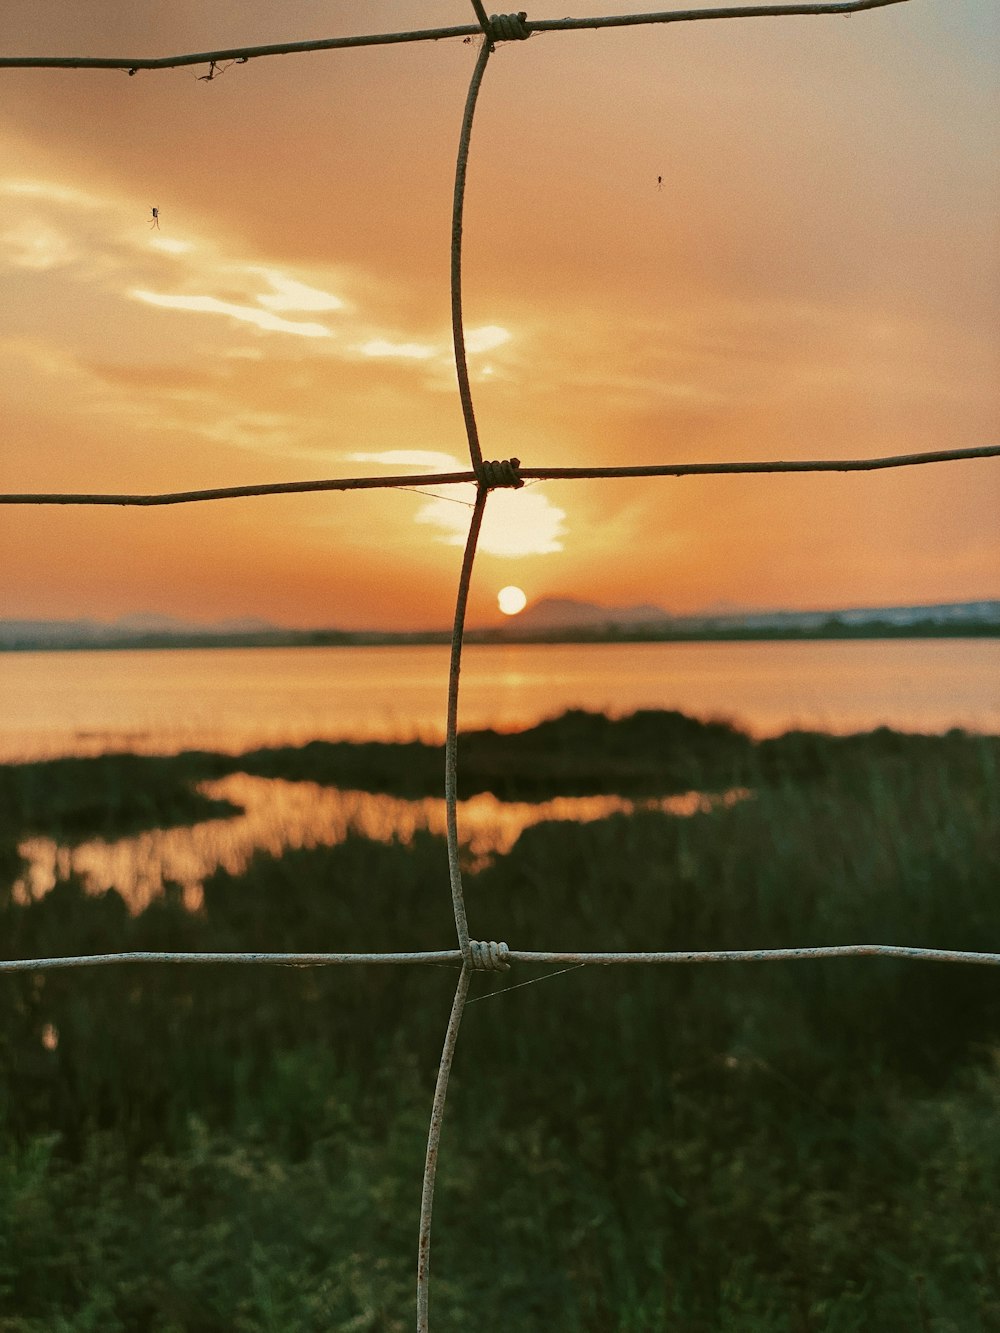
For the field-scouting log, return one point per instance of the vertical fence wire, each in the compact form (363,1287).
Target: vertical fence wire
(433,1145)
(473,955)
(454,671)
(457,219)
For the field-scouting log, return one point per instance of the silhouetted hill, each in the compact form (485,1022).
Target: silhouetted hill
(549,620)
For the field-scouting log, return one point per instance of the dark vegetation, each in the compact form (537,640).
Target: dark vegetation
(647,754)
(577,754)
(781,1147)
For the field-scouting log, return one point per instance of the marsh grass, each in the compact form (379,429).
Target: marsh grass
(784,1147)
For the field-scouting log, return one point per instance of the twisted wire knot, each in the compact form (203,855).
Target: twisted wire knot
(493,473)
(509,27)
(488,956)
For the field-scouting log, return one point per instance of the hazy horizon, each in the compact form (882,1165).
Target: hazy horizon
(149,620)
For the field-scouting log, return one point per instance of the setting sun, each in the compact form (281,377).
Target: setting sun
(511,600)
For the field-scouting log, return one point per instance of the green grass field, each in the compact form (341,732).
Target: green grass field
(783,1147)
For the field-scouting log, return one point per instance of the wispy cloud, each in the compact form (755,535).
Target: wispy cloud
(106,247)
(171,245)
(36,246)
(290,294)
(246,314)
(477,341)
(516,523)
(51,191)
(425,459)
(382,347)
(487,338)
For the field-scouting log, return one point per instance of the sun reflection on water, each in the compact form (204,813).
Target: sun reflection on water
(279,815)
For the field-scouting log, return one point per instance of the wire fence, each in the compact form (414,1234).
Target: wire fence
(476,955)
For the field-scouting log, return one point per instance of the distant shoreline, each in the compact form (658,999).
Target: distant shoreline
(831,630)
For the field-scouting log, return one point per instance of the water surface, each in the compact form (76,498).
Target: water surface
(162,701)
(277,815)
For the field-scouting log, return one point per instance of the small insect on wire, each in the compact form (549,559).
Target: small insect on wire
(154,221)
(216,68)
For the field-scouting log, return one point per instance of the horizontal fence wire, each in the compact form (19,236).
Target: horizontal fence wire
(132,65)
(502,954)
(473,955)
(744,468)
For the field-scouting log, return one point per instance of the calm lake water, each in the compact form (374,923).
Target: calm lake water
(236,699)
(278,815)
(160,702)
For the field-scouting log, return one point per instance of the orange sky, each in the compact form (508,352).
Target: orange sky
(818,277)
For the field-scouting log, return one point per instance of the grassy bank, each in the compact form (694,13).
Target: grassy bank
(800,1146)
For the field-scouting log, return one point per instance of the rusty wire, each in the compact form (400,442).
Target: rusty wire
(744,468)
(243,54)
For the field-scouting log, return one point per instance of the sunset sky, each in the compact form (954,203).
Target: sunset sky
(819,276)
